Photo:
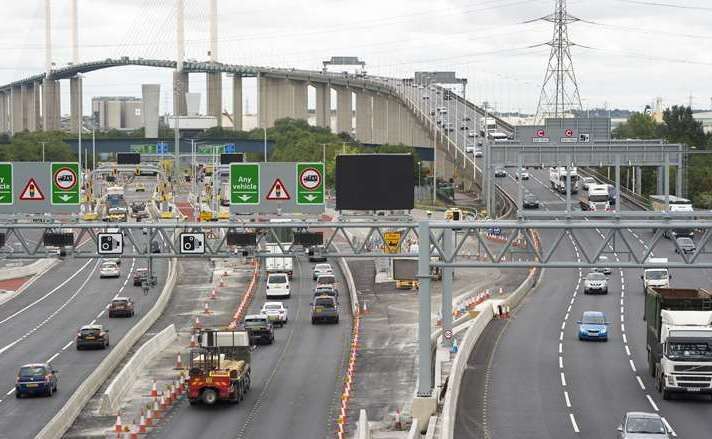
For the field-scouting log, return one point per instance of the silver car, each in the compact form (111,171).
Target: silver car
(643,425)
(595,283)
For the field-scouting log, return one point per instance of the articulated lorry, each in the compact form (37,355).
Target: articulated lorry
(277,263)
(220,367)
(597,198)
(557,179)
(679,339)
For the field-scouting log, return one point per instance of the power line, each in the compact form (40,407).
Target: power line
(666,5)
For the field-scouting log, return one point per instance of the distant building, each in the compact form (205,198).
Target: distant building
(117,112)
(706,118)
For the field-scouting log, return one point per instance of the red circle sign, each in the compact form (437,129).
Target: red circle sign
(310,178)
(65,179)
(569,132)
(541,133)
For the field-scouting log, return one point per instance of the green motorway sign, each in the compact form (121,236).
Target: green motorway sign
(310,183)
(6,183)
(65,183)
(245,183)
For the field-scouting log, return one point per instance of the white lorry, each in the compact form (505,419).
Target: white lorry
(277,263)
(557,178)
(658,277)
(597,198)
(677,204)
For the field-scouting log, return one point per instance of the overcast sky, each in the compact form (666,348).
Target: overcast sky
(630,51)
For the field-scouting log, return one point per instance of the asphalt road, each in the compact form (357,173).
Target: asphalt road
(295,382)
(39,325)
(544,382)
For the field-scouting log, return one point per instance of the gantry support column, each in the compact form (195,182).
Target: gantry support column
(214,94)
(285,97)
(393,126)
(32,107)
(364,117)
(181,86)
(344,110)
(237,102)
(380,119)
(299,99)
(75,103)
(323,105)
(16,113)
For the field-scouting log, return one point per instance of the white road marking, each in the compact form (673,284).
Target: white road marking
(627,351)
(622,327)
(11,391)
(566,317)
(566,397)
(563,379)
(92,322)
(53,357)
(67,345)
(561,362)
(98,316)
(642,386)
(669,427)
(632,366)
(573,423)
(652,403)
(625,339)
(563,325)
(561,336)
(561,348)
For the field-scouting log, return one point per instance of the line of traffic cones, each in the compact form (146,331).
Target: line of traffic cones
(349,377)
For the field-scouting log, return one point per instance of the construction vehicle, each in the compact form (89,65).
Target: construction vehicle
(679,339)
(220,367)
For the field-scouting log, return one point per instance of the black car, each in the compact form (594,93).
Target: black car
(530,201)
(92,336)
(155,247)
(259,329)
(316,253)
(500,172)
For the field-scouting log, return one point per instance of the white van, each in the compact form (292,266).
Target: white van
(277,286)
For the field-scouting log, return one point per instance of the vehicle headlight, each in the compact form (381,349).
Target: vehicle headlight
(670,380)
(604,330)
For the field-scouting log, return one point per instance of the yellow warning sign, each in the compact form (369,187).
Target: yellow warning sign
(391,242)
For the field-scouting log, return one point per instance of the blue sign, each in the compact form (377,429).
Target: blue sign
(229,148)
(161,148)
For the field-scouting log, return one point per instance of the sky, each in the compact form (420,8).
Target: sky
(627,52)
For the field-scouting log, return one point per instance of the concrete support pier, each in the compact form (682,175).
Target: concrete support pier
(50,105)
(75,103)
(237,102)
(364,117)
(393,124)
(299,100)
(380,119)
(214,95)
(33,118)
(181,86)
(16,112)
(344,110)
(323,105)
(3,113)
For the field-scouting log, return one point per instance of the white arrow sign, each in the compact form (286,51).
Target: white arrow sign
(65,197)
(310,197)
(245,197)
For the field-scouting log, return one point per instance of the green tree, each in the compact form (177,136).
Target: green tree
(681,127)
(638,126)
(27,146)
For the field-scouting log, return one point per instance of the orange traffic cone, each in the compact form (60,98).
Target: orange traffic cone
(193,342)
(117,425)
(179,362)
(365,307)
(154,390)
(213,294)
(206,308)
(196,324)
(142,423)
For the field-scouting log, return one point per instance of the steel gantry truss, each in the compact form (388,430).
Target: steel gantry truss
(523,243)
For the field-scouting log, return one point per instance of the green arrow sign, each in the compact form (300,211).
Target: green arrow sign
(245,183)
(310,183)
(65,183)
(5,183)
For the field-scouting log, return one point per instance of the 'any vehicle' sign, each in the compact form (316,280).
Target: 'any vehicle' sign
(310,183)
(65,183)
(245,183)
(6,183)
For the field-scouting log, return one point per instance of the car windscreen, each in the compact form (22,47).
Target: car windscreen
(689,351)
(108,265)
(324,302)
(32,371)
(278,279)
(272,307)
(645,425)
(326,280)
(656,274)
(595,276)
(685,242)
(255,322)
(322,267)
(594,320)
(120,302)
(90,331)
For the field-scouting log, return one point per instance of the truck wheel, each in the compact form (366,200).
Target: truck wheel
(651,365)
(209,396)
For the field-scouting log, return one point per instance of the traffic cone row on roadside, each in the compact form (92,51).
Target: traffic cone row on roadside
(349,377)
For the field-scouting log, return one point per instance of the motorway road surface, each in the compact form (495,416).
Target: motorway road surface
(546,383)
(296,381)
(40,324)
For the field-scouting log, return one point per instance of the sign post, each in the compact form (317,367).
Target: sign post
(244,183)
(65,183)
(310,183)
(6,193)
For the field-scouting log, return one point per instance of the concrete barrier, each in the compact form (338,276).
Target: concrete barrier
(36,267)
(351,285)
(362,429)
(65,417)
(115,392)
(413,433)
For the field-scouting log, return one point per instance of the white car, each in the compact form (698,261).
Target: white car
(278,286)
(595,282)
(586,181)
(321,269)
(276,312)
(471,134)
(109,269)
(523,174)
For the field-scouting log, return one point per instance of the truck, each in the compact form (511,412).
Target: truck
(115,206)
(597,198)
(276,263)
(220,367)
(679,339)
(658,277)
(557,178)
(677,204)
